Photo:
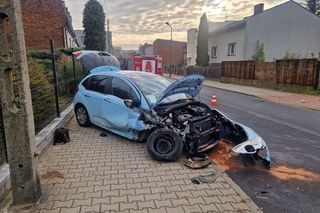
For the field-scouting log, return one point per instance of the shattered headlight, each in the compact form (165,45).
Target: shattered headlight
(249,147)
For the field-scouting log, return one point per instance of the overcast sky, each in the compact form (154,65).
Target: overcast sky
(135,22)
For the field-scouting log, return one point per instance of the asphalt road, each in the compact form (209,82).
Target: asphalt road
(293,137)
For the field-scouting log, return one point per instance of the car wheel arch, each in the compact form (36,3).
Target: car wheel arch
(81,105)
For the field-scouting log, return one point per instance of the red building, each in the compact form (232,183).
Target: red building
(45,20)
(162,47)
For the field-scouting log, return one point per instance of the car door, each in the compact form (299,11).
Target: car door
(117,114)
(95,95)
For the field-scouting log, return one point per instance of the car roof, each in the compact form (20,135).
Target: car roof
(123,73)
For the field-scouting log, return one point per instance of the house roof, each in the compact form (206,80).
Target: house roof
(232,26)
(239,24)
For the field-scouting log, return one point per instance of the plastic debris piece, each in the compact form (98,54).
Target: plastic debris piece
(211,178)
(103,134)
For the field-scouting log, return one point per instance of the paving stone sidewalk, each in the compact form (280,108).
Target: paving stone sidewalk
(106,174)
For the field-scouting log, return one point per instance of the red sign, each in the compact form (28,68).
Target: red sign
(137,63)
(148,66)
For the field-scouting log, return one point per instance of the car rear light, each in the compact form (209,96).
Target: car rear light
(77,54)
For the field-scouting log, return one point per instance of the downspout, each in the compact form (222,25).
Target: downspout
(63,37)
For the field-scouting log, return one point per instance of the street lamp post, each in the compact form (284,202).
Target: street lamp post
(167,23)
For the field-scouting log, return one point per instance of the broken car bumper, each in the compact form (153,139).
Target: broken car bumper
(255,146)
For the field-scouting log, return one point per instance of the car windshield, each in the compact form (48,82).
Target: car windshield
(153,86)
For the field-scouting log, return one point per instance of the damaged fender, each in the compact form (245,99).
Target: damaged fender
(255,146)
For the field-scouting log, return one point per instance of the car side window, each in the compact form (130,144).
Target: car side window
(123,90)
(100,83)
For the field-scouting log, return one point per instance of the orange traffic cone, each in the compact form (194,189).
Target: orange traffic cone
(214,100)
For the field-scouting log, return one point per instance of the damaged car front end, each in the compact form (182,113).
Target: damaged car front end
(192,126)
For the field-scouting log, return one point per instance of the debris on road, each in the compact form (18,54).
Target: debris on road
(286,173)
(211,178)
(198,161)
(103,134)
(226,160)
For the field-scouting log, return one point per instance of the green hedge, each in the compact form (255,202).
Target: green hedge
(42,94)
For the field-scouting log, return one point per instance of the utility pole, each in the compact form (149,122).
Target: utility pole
(167,23)
(17,108)
(109,38)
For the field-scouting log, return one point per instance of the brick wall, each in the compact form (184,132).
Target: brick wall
(43,20)
(162,47)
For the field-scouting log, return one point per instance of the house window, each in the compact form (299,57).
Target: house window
(214,52)
(232,49)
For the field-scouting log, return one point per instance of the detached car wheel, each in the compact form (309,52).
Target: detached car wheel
(82,116)
(164,145)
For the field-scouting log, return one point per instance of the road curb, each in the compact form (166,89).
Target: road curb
(241,193)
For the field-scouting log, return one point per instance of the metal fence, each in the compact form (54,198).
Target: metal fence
(48,71)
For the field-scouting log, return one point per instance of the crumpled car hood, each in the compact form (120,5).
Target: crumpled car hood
(190,85)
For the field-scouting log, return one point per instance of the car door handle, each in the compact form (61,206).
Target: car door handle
(86,95)
(107,100)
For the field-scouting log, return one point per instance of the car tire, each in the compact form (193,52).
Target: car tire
(82,116)
(164,145)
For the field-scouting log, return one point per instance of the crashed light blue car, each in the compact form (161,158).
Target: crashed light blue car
(146,107)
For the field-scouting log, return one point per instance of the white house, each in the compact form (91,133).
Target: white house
(80,37)
(286,28)
(192,35)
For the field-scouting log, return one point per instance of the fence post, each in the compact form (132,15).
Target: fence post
(18,119)
(317,86)
(55,80)
(65,78)
(74,68)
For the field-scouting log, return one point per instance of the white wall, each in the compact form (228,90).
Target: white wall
(221,41)
(287,27)
(70,42)
(79,35)
(192,47)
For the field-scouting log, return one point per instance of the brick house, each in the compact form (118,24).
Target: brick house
(47,19)
(162,47)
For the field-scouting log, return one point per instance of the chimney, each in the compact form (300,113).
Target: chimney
(258,8)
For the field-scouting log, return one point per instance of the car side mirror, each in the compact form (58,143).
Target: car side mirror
(128,103)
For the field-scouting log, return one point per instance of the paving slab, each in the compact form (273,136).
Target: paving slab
(104,174)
